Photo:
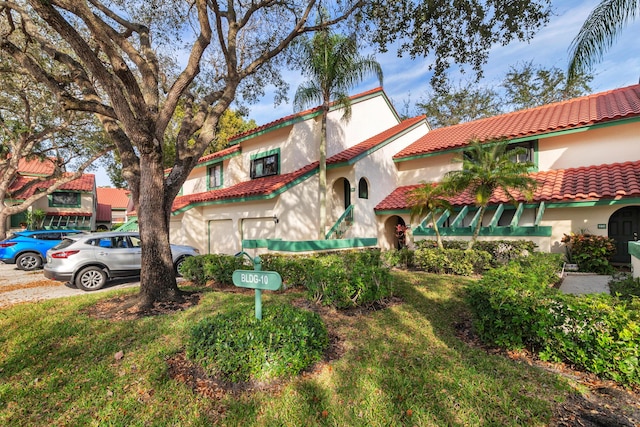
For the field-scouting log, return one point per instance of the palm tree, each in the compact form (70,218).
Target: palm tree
(599,32)
(334,66)
(429,199)
(486,168)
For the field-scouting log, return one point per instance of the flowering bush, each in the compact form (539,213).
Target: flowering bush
(590,252)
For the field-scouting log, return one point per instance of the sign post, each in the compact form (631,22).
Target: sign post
(257,280)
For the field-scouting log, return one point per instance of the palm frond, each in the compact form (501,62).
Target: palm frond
(599,32)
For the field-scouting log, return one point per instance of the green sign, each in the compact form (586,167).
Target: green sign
(263,280)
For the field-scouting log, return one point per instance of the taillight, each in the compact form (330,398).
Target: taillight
(7,244)
(63,254)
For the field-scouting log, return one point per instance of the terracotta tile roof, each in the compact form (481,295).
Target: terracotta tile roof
(36,167)
(103,213)
(291,117)
(588,110)
(371,143)
(69,213)
(253,188)
(219,154)
(117,198)
(85,184)
(266,186)
(589,183)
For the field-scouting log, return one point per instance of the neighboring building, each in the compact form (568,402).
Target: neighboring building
(73,205)
(586,153)
(261,193)
(112,207)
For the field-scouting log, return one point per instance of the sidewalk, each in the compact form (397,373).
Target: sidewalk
(585,283)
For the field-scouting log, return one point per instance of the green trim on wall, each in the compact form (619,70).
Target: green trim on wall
(487,231)
(267,153)
(262,155)
(255,244)
(284,124)
(629,201)
(219,159)
(311,115)
(547,205)
(376,147)
(634,249)
(271,195)
(209,168)
(71,205)
(309,245)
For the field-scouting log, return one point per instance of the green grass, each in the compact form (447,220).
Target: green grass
(401,366)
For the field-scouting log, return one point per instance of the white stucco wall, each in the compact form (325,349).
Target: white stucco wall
(598,146)
(575,220)
(427,169)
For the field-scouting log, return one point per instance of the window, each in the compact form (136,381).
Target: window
(524,157)
(363,189)
(266,165)
(60,198)
(215,176)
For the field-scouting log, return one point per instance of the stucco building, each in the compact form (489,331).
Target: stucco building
(261,193)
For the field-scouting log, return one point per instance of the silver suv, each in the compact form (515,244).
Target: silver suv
(87,261)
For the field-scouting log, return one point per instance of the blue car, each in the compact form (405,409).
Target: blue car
(27,249)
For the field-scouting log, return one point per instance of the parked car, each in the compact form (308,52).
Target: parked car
(27,249)
(88,261)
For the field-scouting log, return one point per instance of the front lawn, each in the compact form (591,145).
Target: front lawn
(402,365)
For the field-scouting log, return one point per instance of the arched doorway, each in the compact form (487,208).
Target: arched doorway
(395,232)
(624,226)
(341,195)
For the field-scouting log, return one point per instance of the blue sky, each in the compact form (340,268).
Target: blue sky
(407,80)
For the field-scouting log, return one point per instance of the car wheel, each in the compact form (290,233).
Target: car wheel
(178,266)
(91,279)
(29,261)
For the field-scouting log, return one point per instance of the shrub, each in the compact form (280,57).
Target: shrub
(212,267)
(340,279)
(625,287)
(238,347)
(452,261)
(590,252)
(400,258)
(292,268)
(349,279)
(502,251)
(514,306)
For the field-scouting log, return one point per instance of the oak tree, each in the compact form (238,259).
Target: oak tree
(131,63)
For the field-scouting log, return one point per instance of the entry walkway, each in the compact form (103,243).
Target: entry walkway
(585,283)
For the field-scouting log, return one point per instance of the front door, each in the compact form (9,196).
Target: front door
(624,226)
(347,193)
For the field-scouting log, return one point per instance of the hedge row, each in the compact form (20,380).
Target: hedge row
(343,279)
(515,306)
(214,268)
(455,258)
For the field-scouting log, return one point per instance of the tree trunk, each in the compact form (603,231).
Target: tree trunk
(436,230)
(157,277)
(3,225)
(476,231)
(322,175)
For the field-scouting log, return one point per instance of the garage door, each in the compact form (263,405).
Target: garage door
(222,239)
(258,228)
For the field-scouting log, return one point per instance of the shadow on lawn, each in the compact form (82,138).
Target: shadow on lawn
(405,366)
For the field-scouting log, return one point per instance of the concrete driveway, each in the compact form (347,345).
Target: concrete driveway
(18,286)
